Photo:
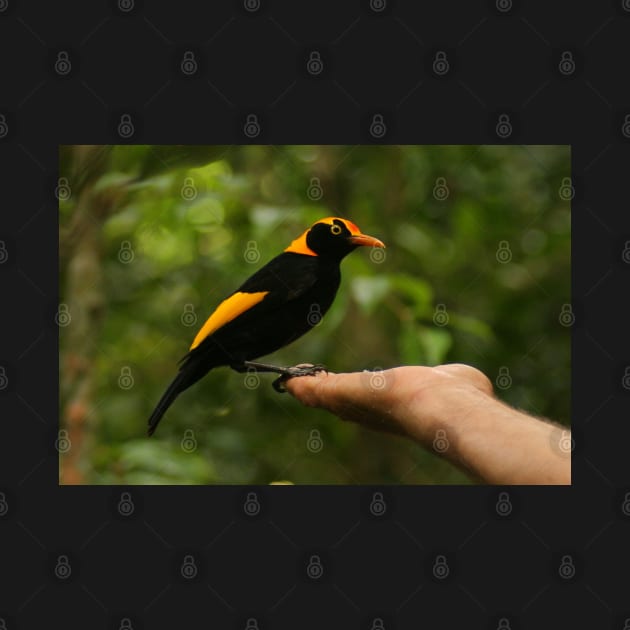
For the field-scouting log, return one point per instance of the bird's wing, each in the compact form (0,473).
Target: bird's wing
(283,279)
(228,310)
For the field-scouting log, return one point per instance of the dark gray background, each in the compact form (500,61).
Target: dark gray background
(504,58)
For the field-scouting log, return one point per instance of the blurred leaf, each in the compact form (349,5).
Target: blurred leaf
(165,463)
(369,291)
(414,289)
(436,342)
(471,325)
(111,180)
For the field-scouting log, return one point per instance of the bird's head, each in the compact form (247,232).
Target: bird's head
(331,238)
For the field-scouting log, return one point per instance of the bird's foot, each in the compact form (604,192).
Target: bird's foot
(302,369)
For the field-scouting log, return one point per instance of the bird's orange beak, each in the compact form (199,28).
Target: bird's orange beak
(365,240)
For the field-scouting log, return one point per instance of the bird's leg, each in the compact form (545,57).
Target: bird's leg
(258,367)
(303,369)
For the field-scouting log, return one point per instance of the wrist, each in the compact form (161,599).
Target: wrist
(443,411)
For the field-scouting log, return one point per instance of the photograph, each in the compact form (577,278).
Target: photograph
(314,314)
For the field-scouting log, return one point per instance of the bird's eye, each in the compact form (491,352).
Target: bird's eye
(335,229)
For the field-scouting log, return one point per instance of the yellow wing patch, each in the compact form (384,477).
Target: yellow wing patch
(228,310)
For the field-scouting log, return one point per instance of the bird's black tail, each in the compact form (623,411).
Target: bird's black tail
(172,392)
(184,379)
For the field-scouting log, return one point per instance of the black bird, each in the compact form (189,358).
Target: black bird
(272,308)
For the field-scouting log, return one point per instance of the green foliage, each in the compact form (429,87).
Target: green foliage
(191,216)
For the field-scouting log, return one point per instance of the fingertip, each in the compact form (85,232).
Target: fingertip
(304,388)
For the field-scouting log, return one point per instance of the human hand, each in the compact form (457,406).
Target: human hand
(406,400)
(484,436)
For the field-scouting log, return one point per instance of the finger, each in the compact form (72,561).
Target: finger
(347,397)
(307,389)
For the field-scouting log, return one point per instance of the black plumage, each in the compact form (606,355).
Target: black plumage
(274,307)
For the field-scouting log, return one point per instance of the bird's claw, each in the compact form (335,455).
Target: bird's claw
(302,369)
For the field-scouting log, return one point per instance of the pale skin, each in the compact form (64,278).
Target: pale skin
(452,410)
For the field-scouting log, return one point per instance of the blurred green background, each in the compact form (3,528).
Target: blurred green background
(152,238)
